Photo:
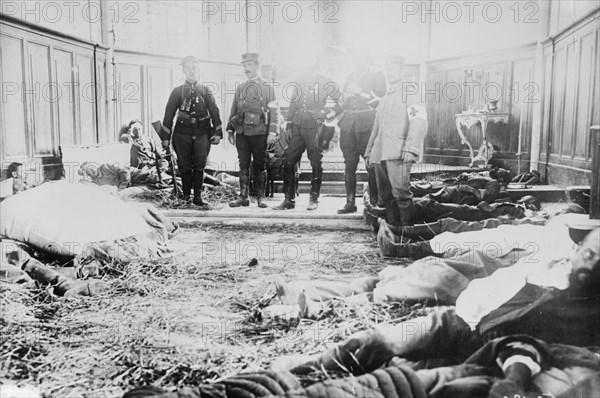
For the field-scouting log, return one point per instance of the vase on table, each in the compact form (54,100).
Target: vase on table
(492,106)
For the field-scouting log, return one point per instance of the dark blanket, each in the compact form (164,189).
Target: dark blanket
(392,382)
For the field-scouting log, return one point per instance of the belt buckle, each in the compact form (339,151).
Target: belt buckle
(194,120)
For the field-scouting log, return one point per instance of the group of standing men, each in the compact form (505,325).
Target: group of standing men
(384,126)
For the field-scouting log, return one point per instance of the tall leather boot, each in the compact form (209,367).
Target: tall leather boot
(391,245)
(198,179)
(261,179)
(407,213)
(186,184)
(350,183)
(392,215)
(420,231)
(289,188)
(373,192)
(244,181)
(315,188)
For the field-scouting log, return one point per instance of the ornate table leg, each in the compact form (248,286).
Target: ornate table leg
(465,141)
(484,141)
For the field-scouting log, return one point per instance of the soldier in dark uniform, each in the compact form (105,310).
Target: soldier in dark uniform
(360,98)
(252,127)
(305,119)
(192,135)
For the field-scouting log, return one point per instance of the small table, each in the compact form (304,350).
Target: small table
(469,119)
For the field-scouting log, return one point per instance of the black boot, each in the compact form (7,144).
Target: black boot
(244,181)
(390,245)
(407,214)
(350,183)
(422,231)
(350,206)
(373,192)
(315,188)
(186,185)
(261,179)
(289,188)
(392,215)
(198,179)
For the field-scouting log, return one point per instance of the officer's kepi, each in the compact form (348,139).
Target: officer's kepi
(189,58)
(249,57)
(394,59)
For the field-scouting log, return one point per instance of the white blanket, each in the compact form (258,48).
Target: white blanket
(64,218)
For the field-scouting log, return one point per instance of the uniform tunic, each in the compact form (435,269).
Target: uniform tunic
(195,107)
(253,115)
(400,126)
(307,110)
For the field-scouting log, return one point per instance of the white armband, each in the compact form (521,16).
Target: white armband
(533,366)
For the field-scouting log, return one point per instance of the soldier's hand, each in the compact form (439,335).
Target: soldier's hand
(271,138)
(163,164)
(231,138)
(215,140)
(288,126)
(165,143)
(367,161)
(409,157)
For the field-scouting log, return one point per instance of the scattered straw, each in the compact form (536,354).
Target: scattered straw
(164,198)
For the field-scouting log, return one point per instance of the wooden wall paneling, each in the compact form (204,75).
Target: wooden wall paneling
(129,99)
(41,98)
(12,107)
(566,148)
(522,93)
(546,118)
(595,112)
(103,133)
(63,76)
(86,96)
(434,109)
(451,103)
(558,100)
(496,87)
(159,89)
(584,100)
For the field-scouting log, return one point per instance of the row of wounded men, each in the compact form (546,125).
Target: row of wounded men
(516,314)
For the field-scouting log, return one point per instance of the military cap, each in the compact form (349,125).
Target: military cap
(249,57)
(394,59)
(189,58)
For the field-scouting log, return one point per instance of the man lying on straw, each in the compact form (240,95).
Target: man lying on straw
(448,263)
(534,346)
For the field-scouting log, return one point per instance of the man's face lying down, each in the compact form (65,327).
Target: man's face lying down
(585,274)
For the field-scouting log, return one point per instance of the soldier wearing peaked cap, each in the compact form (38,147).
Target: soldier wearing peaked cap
(252,127)
(396,143)
(192,122)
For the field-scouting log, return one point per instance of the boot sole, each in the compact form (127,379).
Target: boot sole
(240,205)
(347,211)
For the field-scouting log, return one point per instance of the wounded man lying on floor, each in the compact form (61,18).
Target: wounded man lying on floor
(79,220)
(530,345)
(447,265)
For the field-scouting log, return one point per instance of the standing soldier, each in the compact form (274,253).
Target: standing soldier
(396,143)
(305,120)
(362,91)
(252,126)
(195,107)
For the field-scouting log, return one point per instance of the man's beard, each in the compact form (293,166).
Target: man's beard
(584,282)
